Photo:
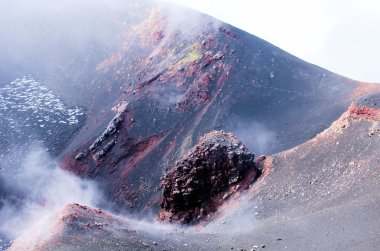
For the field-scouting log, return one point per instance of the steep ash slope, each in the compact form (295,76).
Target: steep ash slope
(152,83)
(170,83)
(319,195)
(337,166)
(323,193)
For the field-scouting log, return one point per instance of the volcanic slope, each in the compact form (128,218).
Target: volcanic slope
(323,193)
(319,195)
(157,82)
(171,82)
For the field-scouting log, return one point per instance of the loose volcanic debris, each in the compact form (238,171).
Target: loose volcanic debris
(207,174)
(29,108)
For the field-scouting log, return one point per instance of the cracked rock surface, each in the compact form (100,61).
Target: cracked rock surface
(203,177)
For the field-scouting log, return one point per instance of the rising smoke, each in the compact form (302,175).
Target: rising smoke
(255,135)
(39,189)
(234,219)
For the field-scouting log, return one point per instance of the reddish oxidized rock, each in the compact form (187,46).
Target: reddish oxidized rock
(197,184)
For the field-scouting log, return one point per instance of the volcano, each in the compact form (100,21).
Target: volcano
(200,136)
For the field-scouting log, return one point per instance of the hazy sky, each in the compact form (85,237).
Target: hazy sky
(340,35)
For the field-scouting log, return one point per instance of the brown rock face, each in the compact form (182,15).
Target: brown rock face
(206,175)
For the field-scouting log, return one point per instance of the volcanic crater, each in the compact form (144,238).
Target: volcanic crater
(162,114)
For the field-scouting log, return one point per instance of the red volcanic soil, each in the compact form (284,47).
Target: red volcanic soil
(78,227)
(368,113)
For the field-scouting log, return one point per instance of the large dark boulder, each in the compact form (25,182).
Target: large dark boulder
(207,174)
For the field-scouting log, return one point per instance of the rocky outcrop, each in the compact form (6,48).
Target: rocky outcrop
(110,130)
(210,172)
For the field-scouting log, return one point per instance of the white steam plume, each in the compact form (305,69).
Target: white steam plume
(45,189)
(256,136)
